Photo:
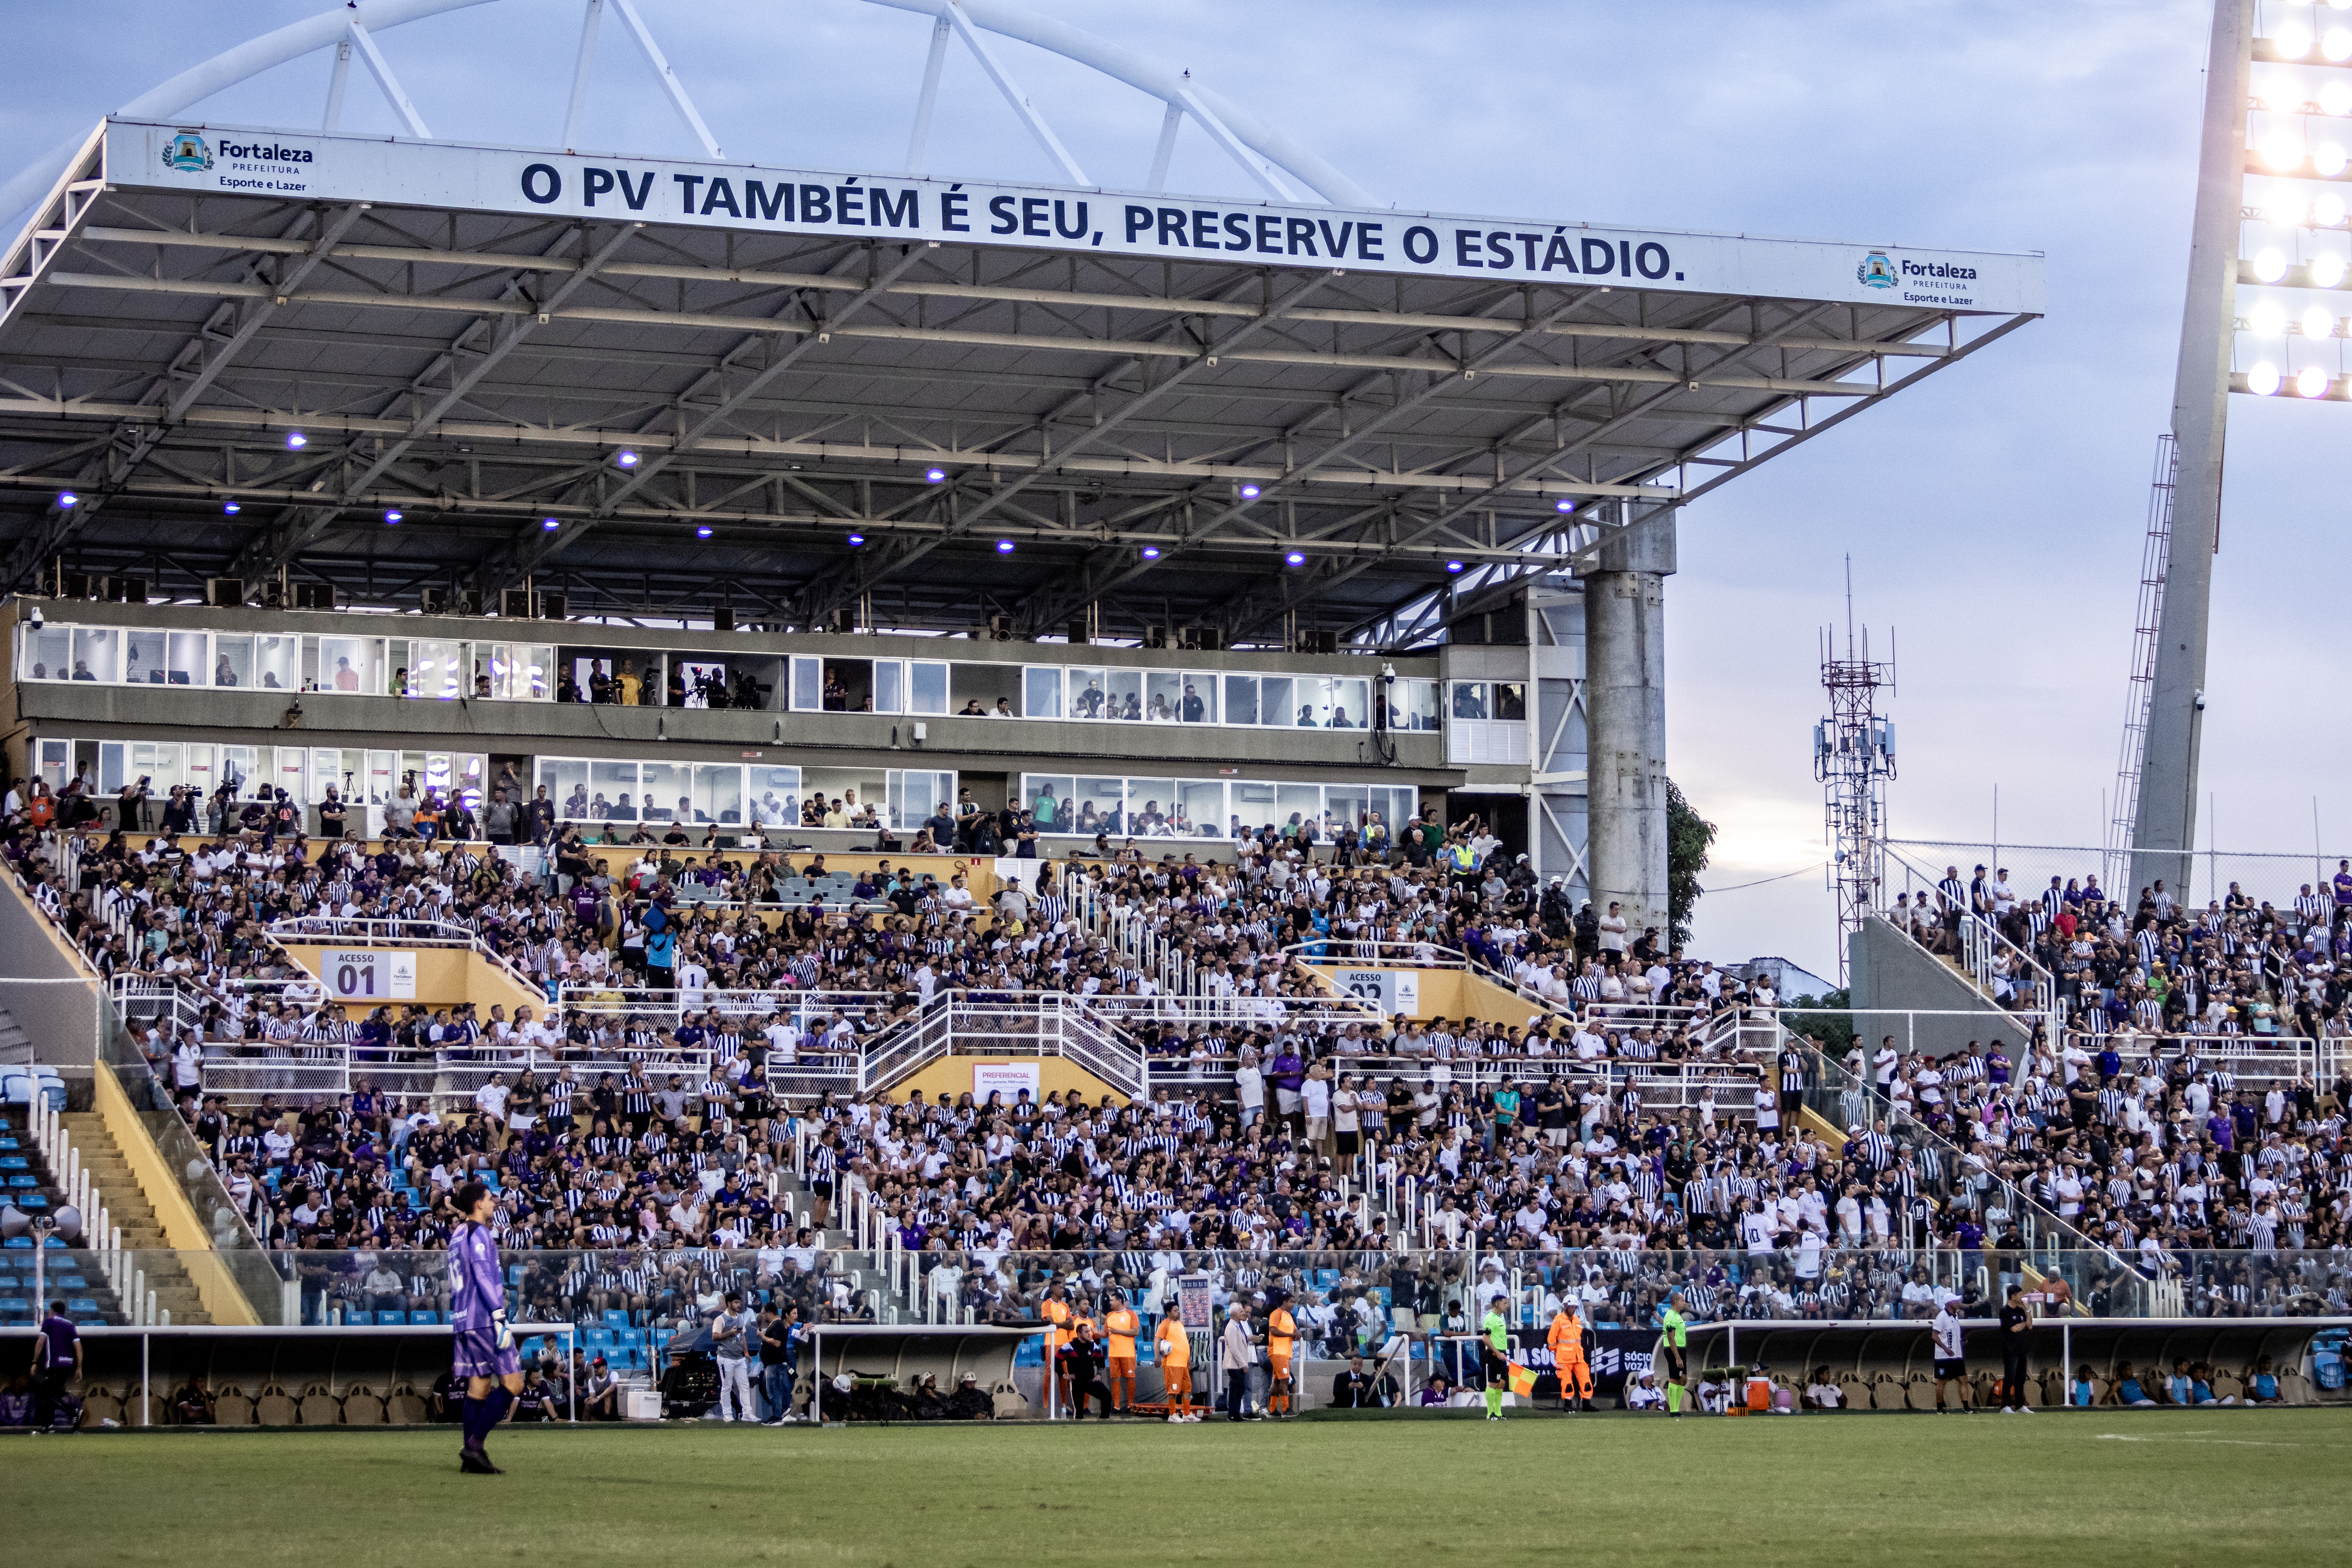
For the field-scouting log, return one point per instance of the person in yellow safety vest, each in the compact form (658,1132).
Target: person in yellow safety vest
(1281,1332)
(1055,1311)
(1568,1358)
(1121,1325)
(1173,1349)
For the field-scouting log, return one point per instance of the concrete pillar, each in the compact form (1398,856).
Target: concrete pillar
(1625,705)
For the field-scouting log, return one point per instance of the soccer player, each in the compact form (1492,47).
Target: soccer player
(1121,1324)
(1174,1352)
(1495,1351)
(1676,1335)
(1950,1364)
(483,1354)
(1281,1334)
(1568,1358)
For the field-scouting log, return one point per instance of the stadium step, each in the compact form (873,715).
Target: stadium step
(15,1046)
(128,1207)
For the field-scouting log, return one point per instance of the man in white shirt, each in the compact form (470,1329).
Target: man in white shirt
(490,1099)
(1950,1365)
(1612,930)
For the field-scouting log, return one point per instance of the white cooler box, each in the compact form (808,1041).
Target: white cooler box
(641,1405)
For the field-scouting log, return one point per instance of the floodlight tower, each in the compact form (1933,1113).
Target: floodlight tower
(2285,129)
(1854,757)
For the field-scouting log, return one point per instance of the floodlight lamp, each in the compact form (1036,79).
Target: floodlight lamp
(2335,97)
(856,539)
(2292,41)
(1249,492)
(295,440)
(2326,269)
(2336,45)
(625,459)
(1295,558)
(2317,323)
(393,517)
(2262,380)
(1453,566)
(2327,158)
(936,476)
(2270,264)
(232,508)
(2283,150)
(2282,95)
(703,532)
(1151,553)
(549,524)
(2311,382)
(2327,211)
(1005,547)
(66,500)
(2283,207)
(1563,505)
(2267,319)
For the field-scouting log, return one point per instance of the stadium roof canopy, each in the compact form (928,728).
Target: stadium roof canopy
(653,384)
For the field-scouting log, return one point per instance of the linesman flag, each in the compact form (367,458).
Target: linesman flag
(1523,1380)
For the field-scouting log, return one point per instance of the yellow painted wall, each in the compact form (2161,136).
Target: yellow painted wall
(951,1076)
(446,976)
(187,1233)
(1450,993)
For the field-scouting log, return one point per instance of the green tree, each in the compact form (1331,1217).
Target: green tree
(1688,835)
(1832,1031)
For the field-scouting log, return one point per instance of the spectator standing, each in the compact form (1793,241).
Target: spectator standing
(732,1336)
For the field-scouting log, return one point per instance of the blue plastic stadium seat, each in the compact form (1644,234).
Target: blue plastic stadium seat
(32,1201)
(15,1307)
(80,1304)
(23,1181)
(15,1163)
(615,1319)
(16,1241)
(599,1338)
(423,1317)
(9,1143)
(359,1320)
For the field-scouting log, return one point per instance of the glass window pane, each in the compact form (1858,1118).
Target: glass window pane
(1041,691)
(929,686)
(1511,700)
(95,655)
(185,661)
(54,763)
(383,776)
(1199,811)
(612,792)
(437,669)
(232,660)
(565,780)
(351,664)
(1048,796)
(473,770)
(1346,807)
(1123,695)
(1162,693)
(1149,800)
(1100,806)
(143,657)
(1416,705)
(273,662)
(1251,809)
(1087,694)
(48,653)
(1274,704)
(112,760)
(237,767)
(536,680)
(1241,700)
(889,686)
(1349,703)
(1470,699)
(1297,807)
(776,797)
(719,793)
(666,787)
(1197,704)
(197,771)
(327,773)
(808,685)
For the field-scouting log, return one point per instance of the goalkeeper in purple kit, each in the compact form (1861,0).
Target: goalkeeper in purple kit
(483,1354)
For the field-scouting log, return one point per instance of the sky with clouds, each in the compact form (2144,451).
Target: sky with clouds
(1993,515)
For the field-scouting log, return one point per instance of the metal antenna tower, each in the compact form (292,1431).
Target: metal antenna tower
(2141,691)
(1854,757)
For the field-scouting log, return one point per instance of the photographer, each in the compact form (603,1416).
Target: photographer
(130,805)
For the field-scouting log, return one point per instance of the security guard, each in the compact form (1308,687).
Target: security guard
(1567,1340)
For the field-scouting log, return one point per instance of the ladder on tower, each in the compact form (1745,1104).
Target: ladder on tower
(2156,552)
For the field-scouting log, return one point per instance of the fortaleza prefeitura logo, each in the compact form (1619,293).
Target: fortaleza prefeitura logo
(1876,271)
(188,153)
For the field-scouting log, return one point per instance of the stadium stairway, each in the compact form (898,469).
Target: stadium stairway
(128,1207)
(70,1274)
(857,1265)
(15,1046)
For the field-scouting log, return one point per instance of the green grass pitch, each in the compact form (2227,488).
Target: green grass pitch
(2142,1487)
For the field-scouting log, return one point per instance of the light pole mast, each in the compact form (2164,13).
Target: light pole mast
(2164,836)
